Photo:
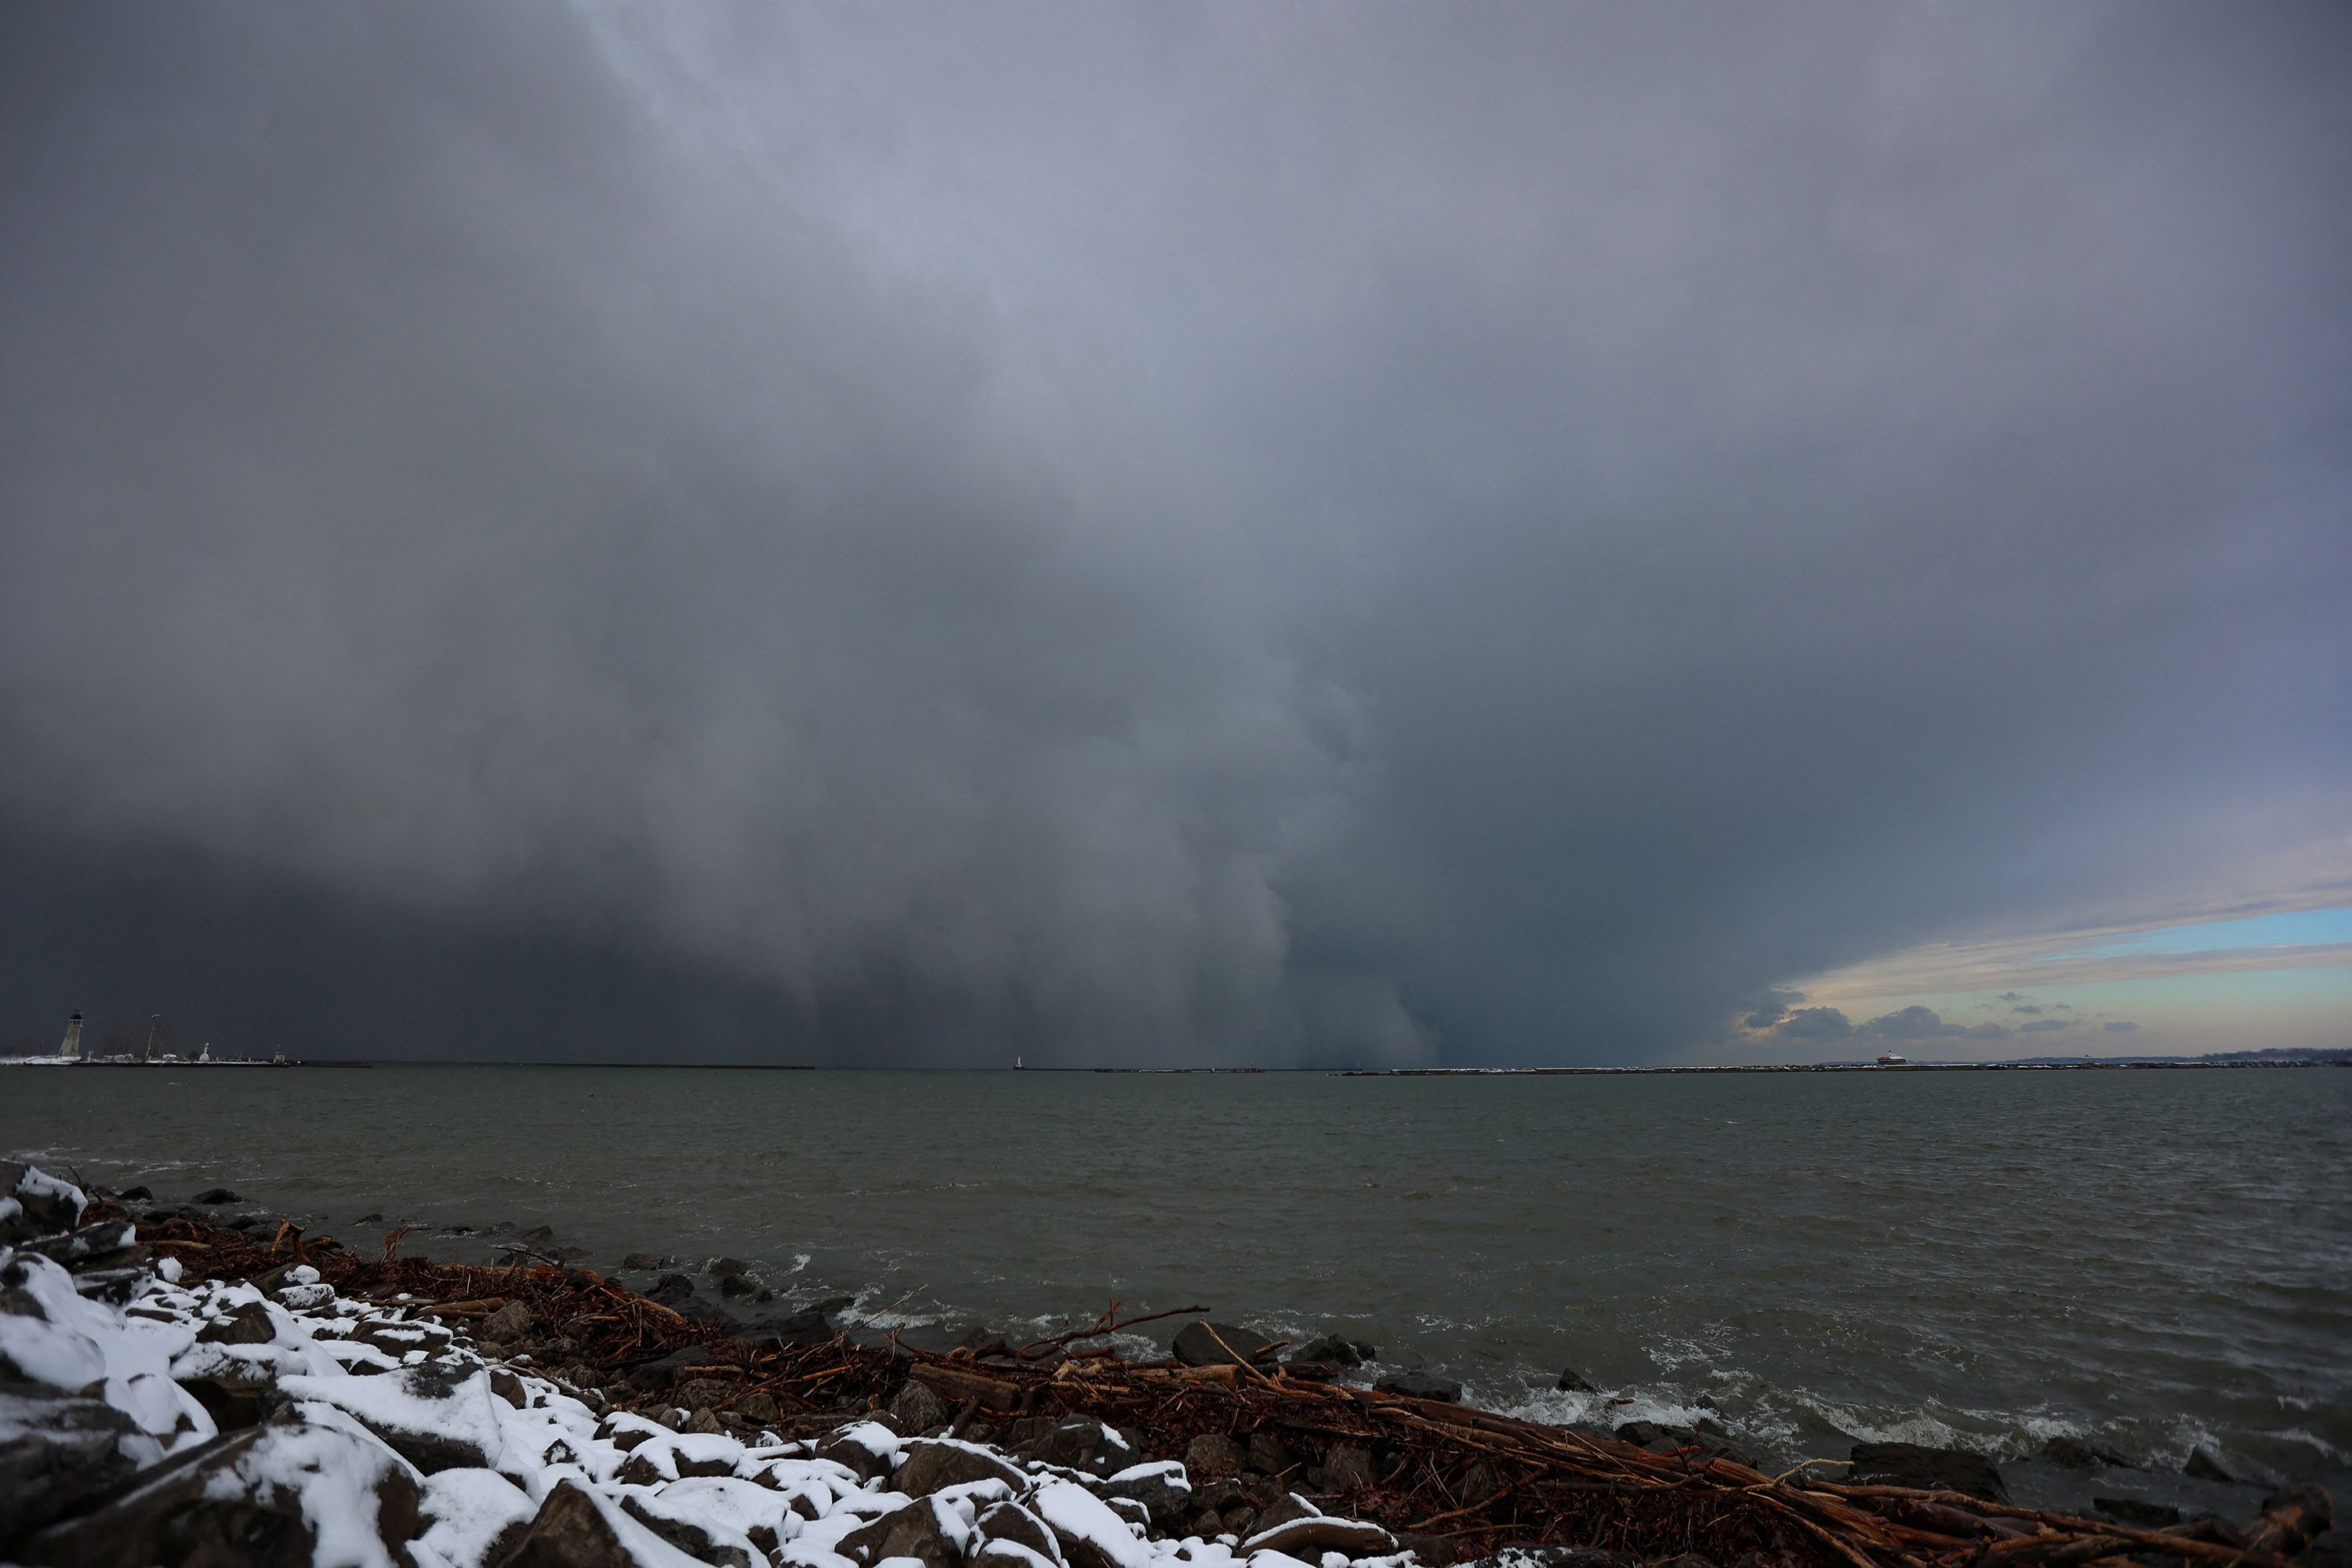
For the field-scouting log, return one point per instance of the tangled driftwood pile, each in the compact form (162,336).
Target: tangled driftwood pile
(1453,1483)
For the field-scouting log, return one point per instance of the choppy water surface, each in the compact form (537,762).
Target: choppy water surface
(2153,1260)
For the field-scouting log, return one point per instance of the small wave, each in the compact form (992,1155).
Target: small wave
(1563,1408)
(1895,1426)
(2185,1438)
(1432,1323)
(1132,1346)
(2312,1440)
(890,1315)
(2044,1426)
(1669,1353)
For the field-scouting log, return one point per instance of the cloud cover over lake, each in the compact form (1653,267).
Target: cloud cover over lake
(1129,535)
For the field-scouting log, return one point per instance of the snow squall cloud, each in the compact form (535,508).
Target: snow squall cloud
(1238,537)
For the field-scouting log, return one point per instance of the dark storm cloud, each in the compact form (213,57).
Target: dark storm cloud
(432,481)
(1274,535)
(1913,1023)
(1816,1024)
(1772,1008)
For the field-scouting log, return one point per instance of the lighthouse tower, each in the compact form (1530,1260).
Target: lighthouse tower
(72,1048)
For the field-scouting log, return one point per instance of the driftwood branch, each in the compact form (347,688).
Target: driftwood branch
(1108,1323)
(1556,1484)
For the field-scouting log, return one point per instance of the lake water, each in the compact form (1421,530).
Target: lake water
(2153,1260)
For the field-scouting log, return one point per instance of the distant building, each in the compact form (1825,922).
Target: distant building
(1890,1060)
(72,1048)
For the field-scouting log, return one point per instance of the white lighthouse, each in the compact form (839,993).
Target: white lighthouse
(72,1048)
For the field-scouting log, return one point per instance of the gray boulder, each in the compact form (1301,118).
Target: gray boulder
(658,1377)
(1082,1444)
(56,1452)
(1330,1349)
(914,1532)
(1213,1455)
(671,1290)
(570,1531)
(1008,1554)
(687,1536)
(1931,1470)
(1282,1511)
(45,1203)
(248,1498)
(1430,1551)
(2203,1466)
(930,1466)
(1268,1455)
(1420,1386)
(1203,1343)
(1348,1465)
(1164,1490)
(917,1408)
(809,1326)
(703,1393)
(1255,1491)
(111,1243)
(856,1456)
(235,1394)
(2074,1454)
(250,1324)
(1010,1521)
(438,1414)
(511,1321)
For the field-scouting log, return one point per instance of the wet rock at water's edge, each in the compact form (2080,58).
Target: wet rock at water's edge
(1420,1386)
(1933,1469)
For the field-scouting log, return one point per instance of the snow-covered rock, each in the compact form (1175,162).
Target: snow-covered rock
(199,1421)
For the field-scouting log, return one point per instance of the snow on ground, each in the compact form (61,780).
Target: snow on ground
(150,1411)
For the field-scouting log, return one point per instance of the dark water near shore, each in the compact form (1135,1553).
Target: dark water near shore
(2149,1260)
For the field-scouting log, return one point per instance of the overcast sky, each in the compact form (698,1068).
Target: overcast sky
(1291,534)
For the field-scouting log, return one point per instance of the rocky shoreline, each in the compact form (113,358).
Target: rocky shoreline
(176,1391)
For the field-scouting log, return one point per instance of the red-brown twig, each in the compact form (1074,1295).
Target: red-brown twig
(1108,1323)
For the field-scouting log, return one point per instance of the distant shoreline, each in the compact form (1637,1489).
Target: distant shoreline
(2095,1064)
